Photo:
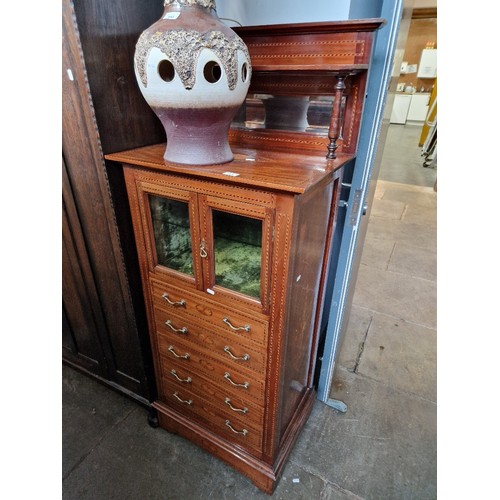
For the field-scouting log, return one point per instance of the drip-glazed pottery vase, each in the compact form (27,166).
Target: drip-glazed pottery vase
(194,72)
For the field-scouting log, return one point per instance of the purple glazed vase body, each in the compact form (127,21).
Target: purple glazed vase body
(194,73)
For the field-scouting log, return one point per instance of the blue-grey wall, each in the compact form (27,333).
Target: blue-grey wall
(361,9)
(256,12)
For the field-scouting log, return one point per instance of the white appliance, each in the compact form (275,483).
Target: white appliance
(428,64)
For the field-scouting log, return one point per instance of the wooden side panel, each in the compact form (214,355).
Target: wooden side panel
(354,107)
(279,273)
(308,251)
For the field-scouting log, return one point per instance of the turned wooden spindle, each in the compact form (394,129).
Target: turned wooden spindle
(335,123)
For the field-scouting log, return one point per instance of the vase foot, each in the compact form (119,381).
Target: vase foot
(197,136)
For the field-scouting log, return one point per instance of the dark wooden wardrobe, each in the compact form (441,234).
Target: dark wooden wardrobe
(104,324)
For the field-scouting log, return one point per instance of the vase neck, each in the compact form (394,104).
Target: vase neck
(206,4)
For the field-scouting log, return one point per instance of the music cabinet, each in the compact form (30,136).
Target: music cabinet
(234,257)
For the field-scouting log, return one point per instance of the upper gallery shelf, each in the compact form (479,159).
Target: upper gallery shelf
(308,83)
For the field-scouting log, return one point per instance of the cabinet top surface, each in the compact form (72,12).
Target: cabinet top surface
(349,25)
(276,170)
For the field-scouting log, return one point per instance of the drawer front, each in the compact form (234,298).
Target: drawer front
(215,418)
(233,406)
(239,382)
(203,310)
(231,349)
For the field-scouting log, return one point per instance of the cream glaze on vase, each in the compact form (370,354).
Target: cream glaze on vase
(194,72)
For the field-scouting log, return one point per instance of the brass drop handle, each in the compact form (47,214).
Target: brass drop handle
(203,251)
(185,401)
(185,380)
(227,376)
(176,330)
(244,432)
(242,410)
(171,349)
(179,303)
(246,328)
(245,357)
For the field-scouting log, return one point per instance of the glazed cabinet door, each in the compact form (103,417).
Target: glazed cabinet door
(237,237)
(170,232)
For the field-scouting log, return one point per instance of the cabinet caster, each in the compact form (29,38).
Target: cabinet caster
(153,418)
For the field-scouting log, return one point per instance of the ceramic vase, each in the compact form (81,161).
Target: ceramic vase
(194,72)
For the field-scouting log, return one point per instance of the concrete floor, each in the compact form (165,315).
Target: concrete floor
(383,447)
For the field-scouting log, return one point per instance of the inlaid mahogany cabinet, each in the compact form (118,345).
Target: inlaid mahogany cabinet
(233,257)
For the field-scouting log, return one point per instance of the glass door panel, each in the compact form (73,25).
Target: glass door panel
(237,252)
(172,233)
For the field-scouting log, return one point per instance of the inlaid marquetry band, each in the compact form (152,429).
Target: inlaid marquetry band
(356,43)
(310,56)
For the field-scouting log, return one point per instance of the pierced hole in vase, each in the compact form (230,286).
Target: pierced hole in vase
(166,70)
(244,72)
(212,72)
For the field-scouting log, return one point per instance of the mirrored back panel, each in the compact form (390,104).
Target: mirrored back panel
(290,102)
(310,114)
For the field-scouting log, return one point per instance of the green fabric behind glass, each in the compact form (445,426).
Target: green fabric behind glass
(238,250)
(237,244)
(172,233)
